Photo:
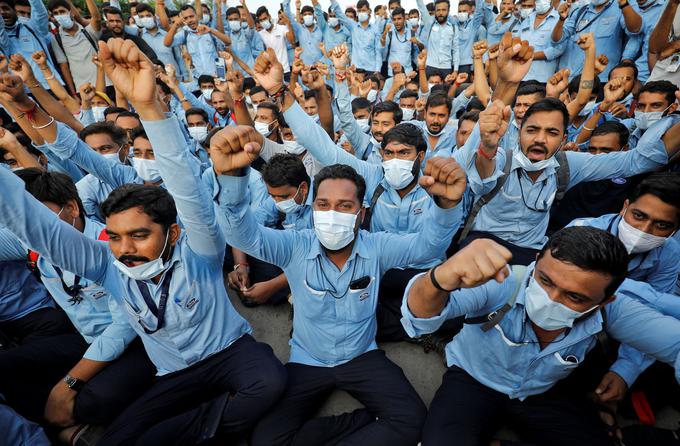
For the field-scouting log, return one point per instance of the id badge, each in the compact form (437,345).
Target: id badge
(674,64)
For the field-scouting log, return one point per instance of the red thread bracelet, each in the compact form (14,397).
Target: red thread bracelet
(484,155)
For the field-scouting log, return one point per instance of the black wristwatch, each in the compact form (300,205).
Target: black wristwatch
(74,383)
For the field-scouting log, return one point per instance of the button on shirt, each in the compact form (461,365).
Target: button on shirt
(200,320)
(466,32)
(242,46)
(441,40)
(520,212)
(609,29)
(508,357)
(366,53)
(332,324)
(657,267)
(540,39)
(495,30)
(400,49)
(97,317)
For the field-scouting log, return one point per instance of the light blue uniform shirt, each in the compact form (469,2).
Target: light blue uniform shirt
(165,54)
(400,49)
(539,38)
(366,52)
(333,38)
(308,40)
(467,32)
(200,320)
(658,267)
(20,291)
(392,213)
(610,31)
(97,316)
(327,330)
(441,41)
(202,49)
(299,219)
(19,39)
(365,147)
(508,357)
(445,143)
(242,44)
(519,213)
(495,30)
(650,17)
(17,430)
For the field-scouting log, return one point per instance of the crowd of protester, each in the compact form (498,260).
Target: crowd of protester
(497,183)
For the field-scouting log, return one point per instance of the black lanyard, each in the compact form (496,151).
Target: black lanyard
(159,311)
(73,290)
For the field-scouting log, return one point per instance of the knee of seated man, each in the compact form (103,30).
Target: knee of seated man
(270,378)
(410,420)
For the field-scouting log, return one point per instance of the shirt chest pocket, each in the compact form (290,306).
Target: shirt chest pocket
(361,302)
(187,306)
(562,364)
(141,315)
(315,305)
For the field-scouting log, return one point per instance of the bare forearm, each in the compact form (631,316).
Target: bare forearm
(424,300)
(557,31)
(325,111)
(632,19)
(659,37)
(587,78)
(55,108)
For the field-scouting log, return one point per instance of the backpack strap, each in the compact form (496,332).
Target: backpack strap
(484,199)
(563,174)
(492,319)
(366,224)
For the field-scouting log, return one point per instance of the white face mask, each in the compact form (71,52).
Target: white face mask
(147,270)
(244,25)
(308,20)
(429,86)
(235,25)
(333,22)
(545,312)
(408,113)
(463,16)
(413,22)
(146,169)
(364,125)
(363,17)
(335,230)
(315,117)
(587,109)
(263,128)
(138,20)
(148,22)
(198,133)
(543,6)
(526,164)
(205,19)
(294,147)
(23,20)
(398,173)
(290,205)
(266,24)
(98,113)
(64,20)
(644,120)
(637,241)
(372,95)
(207,93)
(525,12)
(112,156)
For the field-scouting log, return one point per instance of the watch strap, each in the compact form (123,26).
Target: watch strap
(74,383)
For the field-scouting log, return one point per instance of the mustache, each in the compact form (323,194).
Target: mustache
(128,258)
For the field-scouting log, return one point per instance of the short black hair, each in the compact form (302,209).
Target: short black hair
(360,104)
(113,109)
(138,132)
(398,10)
(414,11)
(273,107)
(548,105)
(529,89)
(608,127)
(408,94)
(113,11)
(55,187)
(187,6)
(625,64)
(341,172)
(663,185)
(590,249)
(197,111)
(436,2)
(437,99)
(306,8)
(54,4)
(362,3)
(388,107)
(9,3)
(258,89)
(261,10)
(430,6)
(231,10)
(141,7)
(284,169)
(206,79)
(117,134)
(155,201)
(664,87)
(475,104)
(469,116)
(310,94)
(350,10)
(391,2)
(128,114)
(407,134)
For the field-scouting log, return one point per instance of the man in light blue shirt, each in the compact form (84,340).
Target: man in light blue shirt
(439,135)
(112,372)
(154,36)
(334,272)
(651,12)
(396,42)
(212,376)
(528,332)
(518,215)
(334,32)
(467,25)
(441,39)
(366,53)
(536,29)
(310,33)
(243,40)
(610,21)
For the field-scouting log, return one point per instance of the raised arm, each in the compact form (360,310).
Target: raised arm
(133,74)
(587,43)
(514,60)
(39,17)
(95,15)
(59,91)
(162,15)
(659,37)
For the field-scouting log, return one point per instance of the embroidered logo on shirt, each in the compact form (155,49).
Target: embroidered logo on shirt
(417,211)
(619,180)
(191,303)
(99,294)
(364,296)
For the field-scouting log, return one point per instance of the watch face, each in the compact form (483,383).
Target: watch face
(70,381)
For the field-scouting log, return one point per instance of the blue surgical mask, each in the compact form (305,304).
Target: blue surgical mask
(333,22)
(644,120)
(290,205)
(587,109)
(545,312)
(147,270)
(363,17)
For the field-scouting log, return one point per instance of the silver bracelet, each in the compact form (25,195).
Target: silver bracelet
(46,125)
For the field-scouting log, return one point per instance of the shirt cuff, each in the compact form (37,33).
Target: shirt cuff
(232,191)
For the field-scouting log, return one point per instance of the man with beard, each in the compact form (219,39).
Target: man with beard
(439,135)
(116,28)
(442,41)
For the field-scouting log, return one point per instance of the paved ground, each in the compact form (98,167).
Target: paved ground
(272,325)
